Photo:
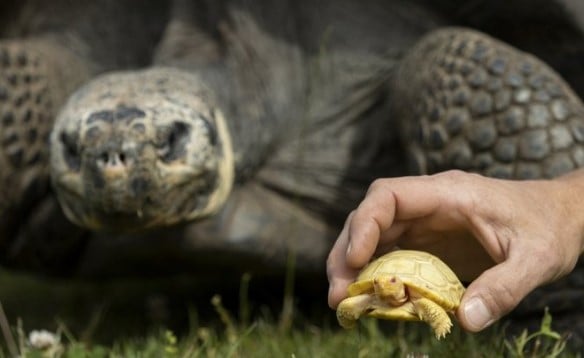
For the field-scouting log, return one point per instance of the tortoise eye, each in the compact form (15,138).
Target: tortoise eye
(70,150)
(174,141)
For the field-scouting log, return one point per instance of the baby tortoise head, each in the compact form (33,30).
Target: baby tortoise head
(136,150)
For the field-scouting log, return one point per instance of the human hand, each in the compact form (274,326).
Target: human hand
(508,236)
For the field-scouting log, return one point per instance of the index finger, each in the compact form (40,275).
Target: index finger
(388,200)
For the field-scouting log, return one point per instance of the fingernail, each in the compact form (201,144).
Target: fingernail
(477,314)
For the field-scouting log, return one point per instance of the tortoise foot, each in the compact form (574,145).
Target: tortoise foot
(468,101)
(434,315)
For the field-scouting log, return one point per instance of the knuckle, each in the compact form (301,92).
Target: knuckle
(463,192)
(458,177)
(454,176)
(350,217)
(462,182)
(377,185)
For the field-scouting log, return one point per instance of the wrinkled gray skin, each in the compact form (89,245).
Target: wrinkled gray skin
(314,97)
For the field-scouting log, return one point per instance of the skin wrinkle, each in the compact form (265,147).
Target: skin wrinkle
(400,228)
(487,234)
(484,227)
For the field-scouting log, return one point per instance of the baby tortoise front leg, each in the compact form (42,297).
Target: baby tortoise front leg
(434,315)
(468,101)
(352,308)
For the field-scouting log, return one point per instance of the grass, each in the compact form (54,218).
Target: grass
(262,338)
(261,333)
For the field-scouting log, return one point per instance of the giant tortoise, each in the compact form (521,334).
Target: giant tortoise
(166,137)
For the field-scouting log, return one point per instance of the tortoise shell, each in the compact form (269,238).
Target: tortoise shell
(420,272)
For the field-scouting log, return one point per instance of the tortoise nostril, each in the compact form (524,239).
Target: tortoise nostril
(103,158)
(112,159)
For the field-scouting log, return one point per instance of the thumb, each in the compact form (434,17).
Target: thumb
(495,293)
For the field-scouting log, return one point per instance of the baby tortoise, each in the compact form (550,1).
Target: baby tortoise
(404,285)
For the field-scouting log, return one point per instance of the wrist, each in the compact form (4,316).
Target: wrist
(570,193)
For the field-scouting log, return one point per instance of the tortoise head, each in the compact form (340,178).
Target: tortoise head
(390,288)
(135,150)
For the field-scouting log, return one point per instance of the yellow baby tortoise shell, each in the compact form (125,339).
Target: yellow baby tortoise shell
(404,285)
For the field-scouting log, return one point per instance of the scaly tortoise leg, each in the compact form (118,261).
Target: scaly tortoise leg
(434,315)
(468,101)
(36,76)
(351,308)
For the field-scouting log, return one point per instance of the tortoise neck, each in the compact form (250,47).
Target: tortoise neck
(255,118)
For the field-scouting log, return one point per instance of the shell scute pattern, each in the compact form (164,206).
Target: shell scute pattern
(420,271)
